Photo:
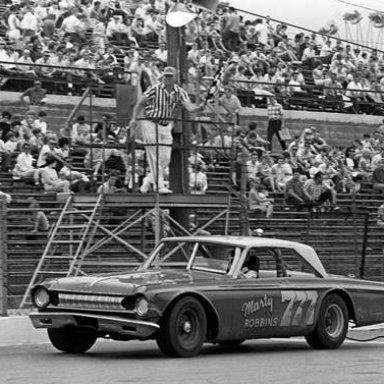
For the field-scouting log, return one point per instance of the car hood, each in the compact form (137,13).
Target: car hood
(132,282)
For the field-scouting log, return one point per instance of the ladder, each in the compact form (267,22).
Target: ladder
(70,237)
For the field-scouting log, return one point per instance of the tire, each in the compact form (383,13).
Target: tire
(332,324)
(71,340)
(184,329)
(231,343)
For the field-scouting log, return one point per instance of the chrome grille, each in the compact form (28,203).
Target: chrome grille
(99,302)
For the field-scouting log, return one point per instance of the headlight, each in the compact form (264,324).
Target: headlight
(141,306)
(40,297)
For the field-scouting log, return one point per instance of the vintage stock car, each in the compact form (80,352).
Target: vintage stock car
(209,289)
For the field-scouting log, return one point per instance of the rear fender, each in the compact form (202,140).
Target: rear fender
(347,299)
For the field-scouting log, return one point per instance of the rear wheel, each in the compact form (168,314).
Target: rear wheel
(332,324)
(184,329)
(71,340)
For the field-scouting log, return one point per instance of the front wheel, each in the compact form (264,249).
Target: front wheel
(184,329)
(332,324)
(71,340)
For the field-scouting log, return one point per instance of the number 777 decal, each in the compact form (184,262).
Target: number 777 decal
(300,310)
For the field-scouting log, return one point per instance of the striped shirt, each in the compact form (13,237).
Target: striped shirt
(275,112)
(313,189)
(161,105)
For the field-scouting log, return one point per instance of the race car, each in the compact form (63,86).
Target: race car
(209,289)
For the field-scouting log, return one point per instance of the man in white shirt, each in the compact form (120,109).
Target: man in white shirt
(46,65)
(27,70)
(261,32)
(30,24)
(161,53)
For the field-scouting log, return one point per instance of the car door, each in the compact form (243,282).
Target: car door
(269,305)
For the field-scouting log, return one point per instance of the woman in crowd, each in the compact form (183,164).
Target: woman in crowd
(50,179)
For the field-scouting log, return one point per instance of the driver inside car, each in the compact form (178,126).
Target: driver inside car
(250,269)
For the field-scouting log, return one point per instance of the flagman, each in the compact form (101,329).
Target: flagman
(160,104)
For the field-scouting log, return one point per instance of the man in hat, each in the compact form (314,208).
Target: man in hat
(45,66)
(160,104)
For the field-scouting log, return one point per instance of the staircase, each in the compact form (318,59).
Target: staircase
(68,242)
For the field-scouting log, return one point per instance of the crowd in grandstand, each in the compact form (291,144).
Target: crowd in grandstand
(67,42)
(72,41)
(309,172)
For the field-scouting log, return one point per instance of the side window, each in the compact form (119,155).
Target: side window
(214,257)
(295,265)
(265,262)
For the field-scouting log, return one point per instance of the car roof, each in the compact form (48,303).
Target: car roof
(306,252)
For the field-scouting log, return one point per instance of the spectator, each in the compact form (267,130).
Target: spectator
(238,171)
(198,183)
(162,53)
(253,166)
(79,181)
(25,66)
(24,165)
(319,192)
(365,165)
(11,143)
(377,158)
(39,219)
(275,122)
(295,87)
(380,217)
(6,196)
(281,172)
(378,177)
(5,124)
(295,194)
(5,157)
(231,103)
(50,179)
(45,70)
(46,150)
(231,30)
(29,23)
(259,200)
(41,122)
(36,95)
(80,131)
(112,185)
(104,128)
(102,159)
(13,23)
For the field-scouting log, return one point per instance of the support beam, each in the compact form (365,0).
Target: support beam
(178,170)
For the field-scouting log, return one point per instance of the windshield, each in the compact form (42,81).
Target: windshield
(203,256)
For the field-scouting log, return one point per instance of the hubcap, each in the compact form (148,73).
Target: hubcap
(187,327)
(334,321)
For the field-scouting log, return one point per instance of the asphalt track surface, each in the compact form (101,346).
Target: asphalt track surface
(26,357)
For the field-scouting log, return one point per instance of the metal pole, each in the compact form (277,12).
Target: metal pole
(3,258)
(156,182)
(364,246)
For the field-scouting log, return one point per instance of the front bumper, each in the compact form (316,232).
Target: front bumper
(103,324)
